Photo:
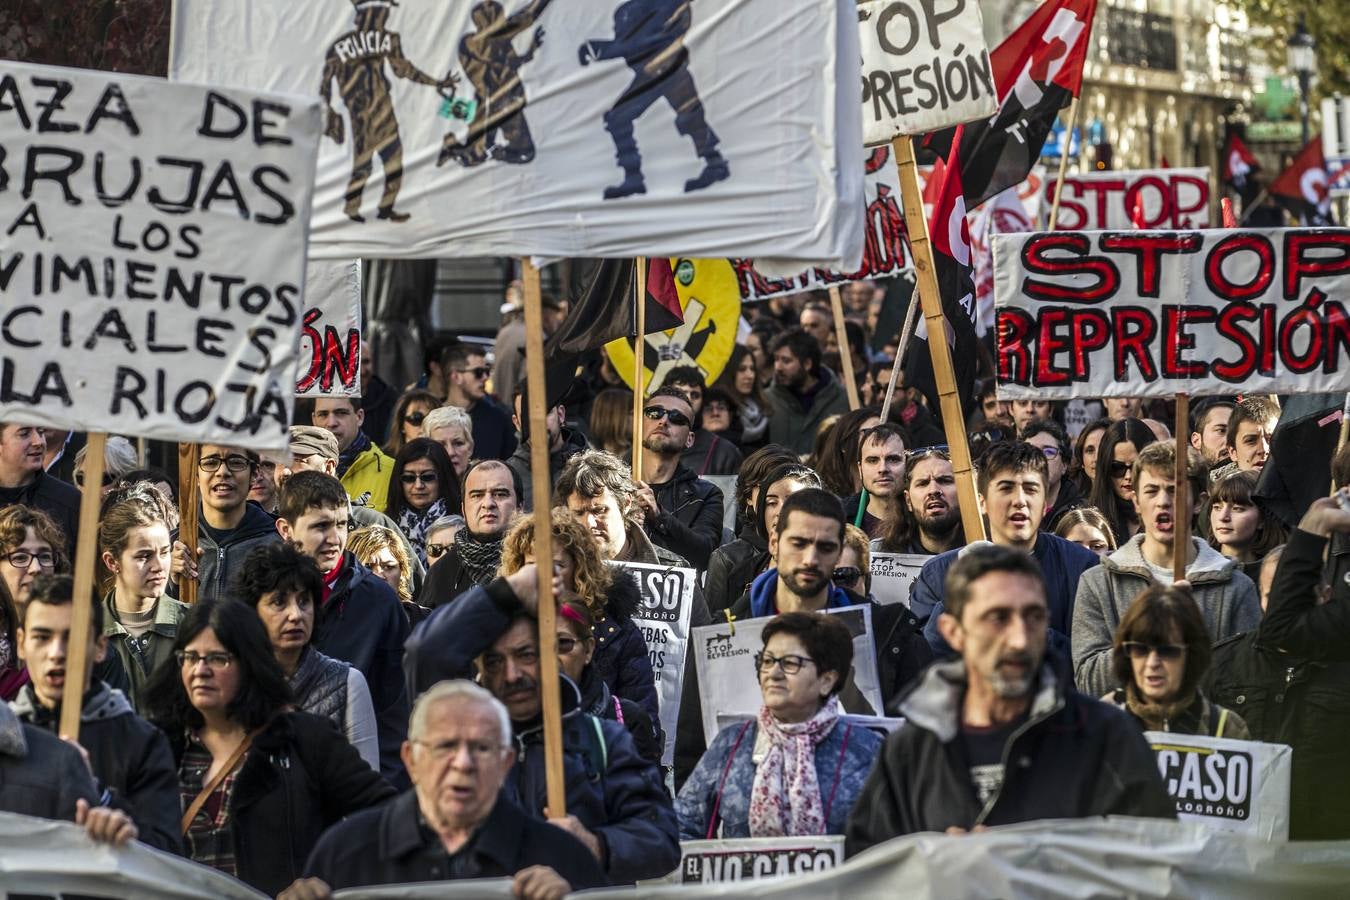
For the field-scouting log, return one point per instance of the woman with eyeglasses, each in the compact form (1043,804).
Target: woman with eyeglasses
(795,769)
(1160,654)
(452,428)
(422,489)
(1112,486)
(379,550)
(136,553)
(31,544)
(410,412)
(852,572)
(259,780)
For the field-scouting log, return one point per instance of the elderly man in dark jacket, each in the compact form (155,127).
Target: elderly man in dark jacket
(683,512)
(616,802)
(1000,736)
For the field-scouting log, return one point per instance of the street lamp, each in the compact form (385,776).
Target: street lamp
(1302,49)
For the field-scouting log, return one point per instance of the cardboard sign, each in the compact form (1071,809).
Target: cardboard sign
(608,128)
(1156,313)
(330,336)
(1240,786)
(746,859)
(925,66)
(727,680)
(667,600)
(893,575)
(1161,198)
(727,485)
(152,255)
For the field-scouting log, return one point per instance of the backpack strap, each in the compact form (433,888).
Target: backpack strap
(1223,720)
(707,457)
(600,741)
(726,770)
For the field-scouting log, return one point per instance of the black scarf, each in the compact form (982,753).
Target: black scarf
(479,557)
(360,444)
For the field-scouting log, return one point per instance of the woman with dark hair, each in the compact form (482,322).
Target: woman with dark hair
(1112,486)
(259,781)
(611,421)
(13,673)
(749,542)
(1085,447)
(740,380)
(1161,652)
(283,586)
(410,410)
(837,461)
(422,489)
(1238,529)
(795,769)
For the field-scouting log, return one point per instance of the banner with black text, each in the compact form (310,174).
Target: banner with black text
(1228,785)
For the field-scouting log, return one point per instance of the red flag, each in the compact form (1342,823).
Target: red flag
(1302,188)
(1238,162)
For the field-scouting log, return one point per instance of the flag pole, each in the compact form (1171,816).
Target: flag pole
(906,331)
(188,457)
(81,613)
(845,351)
(931,298)
(1181,518)
(1064,161)
(1247,209)
(1344,435)
(639,366)
(537,389)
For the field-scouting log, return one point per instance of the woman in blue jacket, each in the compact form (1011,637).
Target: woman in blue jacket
(795,769)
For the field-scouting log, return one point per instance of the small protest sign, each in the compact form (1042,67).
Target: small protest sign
(893,575)
(153,257)
(745,859)
(728,686)
(1144,198)
(1229,785)
(1157,313)
(925,66)
(667,599)
(330,332)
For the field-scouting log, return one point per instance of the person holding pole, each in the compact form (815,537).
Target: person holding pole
(617,804)
(128,757)
(1227,598)
(683,512)
(229,526)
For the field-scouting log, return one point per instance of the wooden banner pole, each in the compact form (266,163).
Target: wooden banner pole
(931,299)
(906,332)
(188,455)
(81,614)
(1064,161)
(1341,439)
(543,541)
(1181,518)
(639,367)
(845,351)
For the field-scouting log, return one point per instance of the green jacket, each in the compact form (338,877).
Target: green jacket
(368,478)
(794,425)
(158,646)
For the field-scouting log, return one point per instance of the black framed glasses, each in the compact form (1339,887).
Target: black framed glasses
(22,559)
(1050,452)
(847,576)
(213,660)
(477,371)
(414,477)
(232,463)
(435,551)
(415,419)
(791,663)
(657,413)
(1140,650)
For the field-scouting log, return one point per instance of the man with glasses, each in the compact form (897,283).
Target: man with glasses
(1060,495)
(998,735)
(362,467)
(491,492)
(466,377)
(881,463)
(617,804)
(683,512)
(229,525)
(24,481)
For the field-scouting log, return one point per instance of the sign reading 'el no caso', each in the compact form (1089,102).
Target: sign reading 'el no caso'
(152,254)
(925,66)
(1156,313)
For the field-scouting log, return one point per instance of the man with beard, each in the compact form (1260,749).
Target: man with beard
(1209,431)
(881,462)
(999,735)
(927,521)
(491,498)
(804,394)
(683,512)
(563,444)
(1011,487)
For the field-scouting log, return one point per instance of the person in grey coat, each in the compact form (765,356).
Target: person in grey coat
(1228,599)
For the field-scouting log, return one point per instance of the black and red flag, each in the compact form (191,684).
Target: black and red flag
(1303,187)
(1238,163)
(602,309)
(1037,70)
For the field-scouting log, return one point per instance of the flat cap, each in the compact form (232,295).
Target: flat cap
(309,440)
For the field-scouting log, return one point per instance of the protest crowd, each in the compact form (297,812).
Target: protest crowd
(970,593)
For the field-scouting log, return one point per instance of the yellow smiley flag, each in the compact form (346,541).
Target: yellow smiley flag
(711,299)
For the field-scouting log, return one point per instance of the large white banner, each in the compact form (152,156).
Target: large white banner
(152,254)
(1240,786)
(1156,313)
(667,601)
(562,128)
(728,684)
(925,66)
(1142,198)
(330,334)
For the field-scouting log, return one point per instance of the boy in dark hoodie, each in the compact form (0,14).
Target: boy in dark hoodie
(229,525)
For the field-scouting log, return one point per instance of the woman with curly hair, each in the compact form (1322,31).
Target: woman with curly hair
(379,550)
(422,489)
(31,544)
(410,411)
(621,659)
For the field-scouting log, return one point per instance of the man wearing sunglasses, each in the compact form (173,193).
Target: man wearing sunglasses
(683,512)
(229,525)
(466,378)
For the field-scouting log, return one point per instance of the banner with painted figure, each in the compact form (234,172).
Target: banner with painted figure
(894,574)
(1146,198)
(924,67)
(667,600)
(559,128)
(330,331)
(1155,313)
(152,255)
(729,686)
(1240,786)
(749,859)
